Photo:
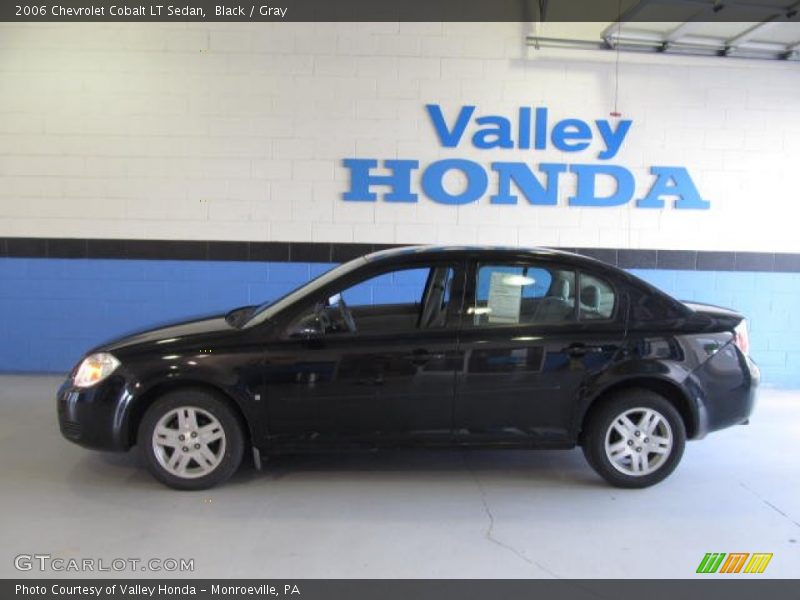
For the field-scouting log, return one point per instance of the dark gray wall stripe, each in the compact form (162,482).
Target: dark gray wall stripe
(690,260)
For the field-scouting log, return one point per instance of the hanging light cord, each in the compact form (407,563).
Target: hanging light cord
(616,112)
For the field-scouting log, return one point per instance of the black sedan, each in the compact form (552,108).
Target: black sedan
(425,346)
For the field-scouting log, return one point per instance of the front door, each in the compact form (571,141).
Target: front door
(372,364)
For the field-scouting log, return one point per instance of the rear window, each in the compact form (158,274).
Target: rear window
(652,306)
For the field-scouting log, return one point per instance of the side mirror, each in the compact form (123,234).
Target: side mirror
(309,328)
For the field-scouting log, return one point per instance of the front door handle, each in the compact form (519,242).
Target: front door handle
(579,349)
(420,357)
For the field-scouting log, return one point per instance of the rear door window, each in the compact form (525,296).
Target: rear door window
(522,295)
(597,298)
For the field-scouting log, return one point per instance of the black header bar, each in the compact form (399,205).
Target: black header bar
(392,10)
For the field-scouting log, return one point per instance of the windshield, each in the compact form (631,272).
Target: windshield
(271,308)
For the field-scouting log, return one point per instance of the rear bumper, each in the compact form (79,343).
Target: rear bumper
(726,388)
(95,417)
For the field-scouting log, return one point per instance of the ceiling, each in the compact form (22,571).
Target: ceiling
(747,29)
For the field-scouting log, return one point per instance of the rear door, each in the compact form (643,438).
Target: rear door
(532,333)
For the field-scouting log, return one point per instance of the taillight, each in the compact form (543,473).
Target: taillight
(741,337)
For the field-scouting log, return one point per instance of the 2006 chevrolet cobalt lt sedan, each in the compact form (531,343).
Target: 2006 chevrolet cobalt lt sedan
(425,346)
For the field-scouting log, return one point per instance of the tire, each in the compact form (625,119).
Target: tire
(191,439)
(614,439)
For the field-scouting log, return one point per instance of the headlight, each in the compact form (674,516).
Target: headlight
(94,369)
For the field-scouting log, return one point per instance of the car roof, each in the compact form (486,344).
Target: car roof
(476,250)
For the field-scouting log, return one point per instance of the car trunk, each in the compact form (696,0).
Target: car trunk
(716,317)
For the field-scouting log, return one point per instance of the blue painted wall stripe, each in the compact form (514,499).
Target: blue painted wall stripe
(53,310)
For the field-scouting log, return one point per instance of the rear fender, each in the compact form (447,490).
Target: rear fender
(670,379)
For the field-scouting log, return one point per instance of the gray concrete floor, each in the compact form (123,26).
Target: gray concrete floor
(438,514)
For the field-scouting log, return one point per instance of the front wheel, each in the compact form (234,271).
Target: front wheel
(635,440)
(191,439)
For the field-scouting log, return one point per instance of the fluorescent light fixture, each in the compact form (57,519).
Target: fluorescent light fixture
(518,280)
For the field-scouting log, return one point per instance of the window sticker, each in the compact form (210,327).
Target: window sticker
(505,296)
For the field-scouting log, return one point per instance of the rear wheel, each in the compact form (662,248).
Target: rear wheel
(191,439)
(635,440)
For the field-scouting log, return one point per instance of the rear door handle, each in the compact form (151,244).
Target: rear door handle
(420,357)
(579,349)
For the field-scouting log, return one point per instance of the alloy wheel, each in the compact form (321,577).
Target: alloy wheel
(638,441)
(189,442)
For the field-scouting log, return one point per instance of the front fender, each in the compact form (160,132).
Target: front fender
(239,385)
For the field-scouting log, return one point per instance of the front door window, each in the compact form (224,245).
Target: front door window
(403,300)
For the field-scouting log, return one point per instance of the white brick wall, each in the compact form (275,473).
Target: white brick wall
(237,131)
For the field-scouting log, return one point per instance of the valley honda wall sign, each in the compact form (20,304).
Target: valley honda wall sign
(531,130)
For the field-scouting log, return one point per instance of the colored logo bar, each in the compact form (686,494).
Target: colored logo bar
(735,562)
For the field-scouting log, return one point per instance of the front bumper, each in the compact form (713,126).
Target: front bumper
(96,417)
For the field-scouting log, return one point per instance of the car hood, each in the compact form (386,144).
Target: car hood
(173,332)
